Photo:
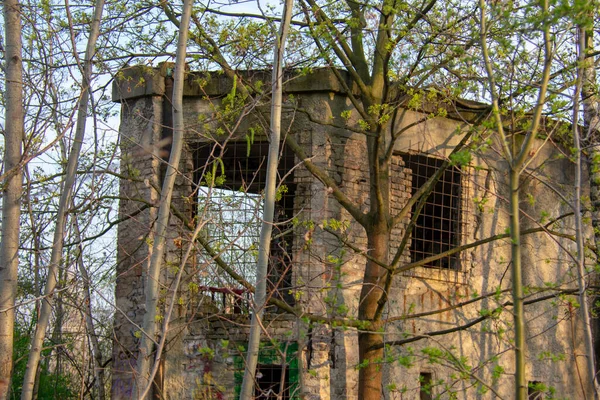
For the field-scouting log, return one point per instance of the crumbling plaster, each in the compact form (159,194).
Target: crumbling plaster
(314,106)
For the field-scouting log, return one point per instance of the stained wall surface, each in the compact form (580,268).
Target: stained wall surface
(448,323)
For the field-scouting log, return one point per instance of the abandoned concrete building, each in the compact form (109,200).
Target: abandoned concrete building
(321,273)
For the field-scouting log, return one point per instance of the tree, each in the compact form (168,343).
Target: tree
(583,285)
(396,55)
(588,88)
(152,282)
(264,245)
(61,219)
(55,35)
(391,49)
(12,186)
(518,156)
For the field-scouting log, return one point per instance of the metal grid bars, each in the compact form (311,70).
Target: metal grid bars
(439,224)
(272,382)
(277,372)
(231,179)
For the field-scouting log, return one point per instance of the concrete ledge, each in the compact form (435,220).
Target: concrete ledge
(139,81)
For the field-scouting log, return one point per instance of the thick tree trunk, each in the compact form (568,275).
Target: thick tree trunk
(61,217)
(370,358)
(12,188)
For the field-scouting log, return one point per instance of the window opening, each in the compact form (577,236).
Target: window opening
(269,382)
(425,386)
(232,209)
(438,226)
(232,229)
(272,361)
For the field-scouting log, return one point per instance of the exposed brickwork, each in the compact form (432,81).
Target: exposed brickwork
(140,129)
(326,275)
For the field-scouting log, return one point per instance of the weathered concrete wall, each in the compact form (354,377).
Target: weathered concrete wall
(215,349)
(140,130)
(329,356)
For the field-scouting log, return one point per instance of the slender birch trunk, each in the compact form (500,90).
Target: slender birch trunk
(590,101)
(517,287)
(264,246)
(89,321)
(143,381)
(581,274)
(61,217)
(12,188)
(517,157)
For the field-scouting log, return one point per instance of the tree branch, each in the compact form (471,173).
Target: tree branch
(324,178)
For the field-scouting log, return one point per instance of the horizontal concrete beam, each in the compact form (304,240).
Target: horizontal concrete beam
(139,81)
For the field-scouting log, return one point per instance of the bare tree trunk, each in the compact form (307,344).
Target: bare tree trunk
(517,158)
(56,338)
(590,99)
(12,188)
(517,286)
(591,139)
(264,246)
(61,217)
(581,274)
(89,321)
(153,275)
(35,237)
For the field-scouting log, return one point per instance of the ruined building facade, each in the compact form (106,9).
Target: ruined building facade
(317,259)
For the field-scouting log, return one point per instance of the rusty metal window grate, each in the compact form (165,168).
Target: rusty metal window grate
(439,226)
(230,203)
